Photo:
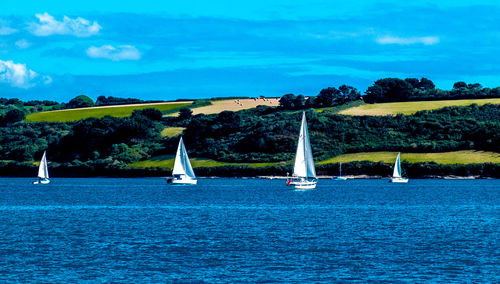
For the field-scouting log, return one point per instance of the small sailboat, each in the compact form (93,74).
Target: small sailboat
(340,177)
(304,174)
(43,171)
(396,175)
(183,172)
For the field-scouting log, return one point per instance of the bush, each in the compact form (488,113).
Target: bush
(80,101)
(13,115)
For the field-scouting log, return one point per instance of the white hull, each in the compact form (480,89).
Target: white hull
(299,185)
(185,181)
(43,181)
(398,180)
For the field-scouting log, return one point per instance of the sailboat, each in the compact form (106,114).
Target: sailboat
(43,171)
(340,177)
(396,175)
(304,174)
(183,172)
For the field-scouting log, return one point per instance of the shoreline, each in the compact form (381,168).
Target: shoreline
(383,177)
(350,177)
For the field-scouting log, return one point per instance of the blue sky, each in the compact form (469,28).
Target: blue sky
(201,49)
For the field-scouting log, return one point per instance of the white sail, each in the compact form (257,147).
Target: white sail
(304,162)
(182,166)
(43,171)
(397,167)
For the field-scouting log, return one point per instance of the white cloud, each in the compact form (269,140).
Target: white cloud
(79,27)
(18,75)
(121,52)
(426,40)
(23,44)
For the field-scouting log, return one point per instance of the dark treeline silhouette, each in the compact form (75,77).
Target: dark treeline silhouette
(103,100)
(412,89)
(389,90)
(327,97)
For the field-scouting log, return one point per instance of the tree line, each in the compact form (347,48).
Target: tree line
(389,90)
(79,101)
(412,89)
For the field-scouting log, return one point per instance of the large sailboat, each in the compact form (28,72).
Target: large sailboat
(183,172)
(304,174)
(396,174)
(43,171)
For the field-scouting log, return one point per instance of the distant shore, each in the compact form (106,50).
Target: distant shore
(364,170)
(323,177)
(381,177)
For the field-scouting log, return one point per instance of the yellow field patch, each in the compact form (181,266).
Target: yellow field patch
(219,106)
(455,157)
(381,109)
(172,131)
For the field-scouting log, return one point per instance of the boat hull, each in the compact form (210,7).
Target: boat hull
(302,184)
(398,180)
(42,181)
(185,181)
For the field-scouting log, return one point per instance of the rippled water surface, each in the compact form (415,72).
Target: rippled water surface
(250,230)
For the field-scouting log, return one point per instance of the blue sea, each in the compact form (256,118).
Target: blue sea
(249,230)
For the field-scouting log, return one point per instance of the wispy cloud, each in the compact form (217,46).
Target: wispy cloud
(18,75)
(48,25)
(23,44)
(426,40)
(5,29)
(121,52)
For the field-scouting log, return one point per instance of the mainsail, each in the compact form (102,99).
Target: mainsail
(304,163)
(182,166)
(43,171)
(397,168)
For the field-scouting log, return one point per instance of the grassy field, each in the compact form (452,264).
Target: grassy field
(171,131)
(411,107)
(117,111)
(456,157)
(220,105)
(168,162)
